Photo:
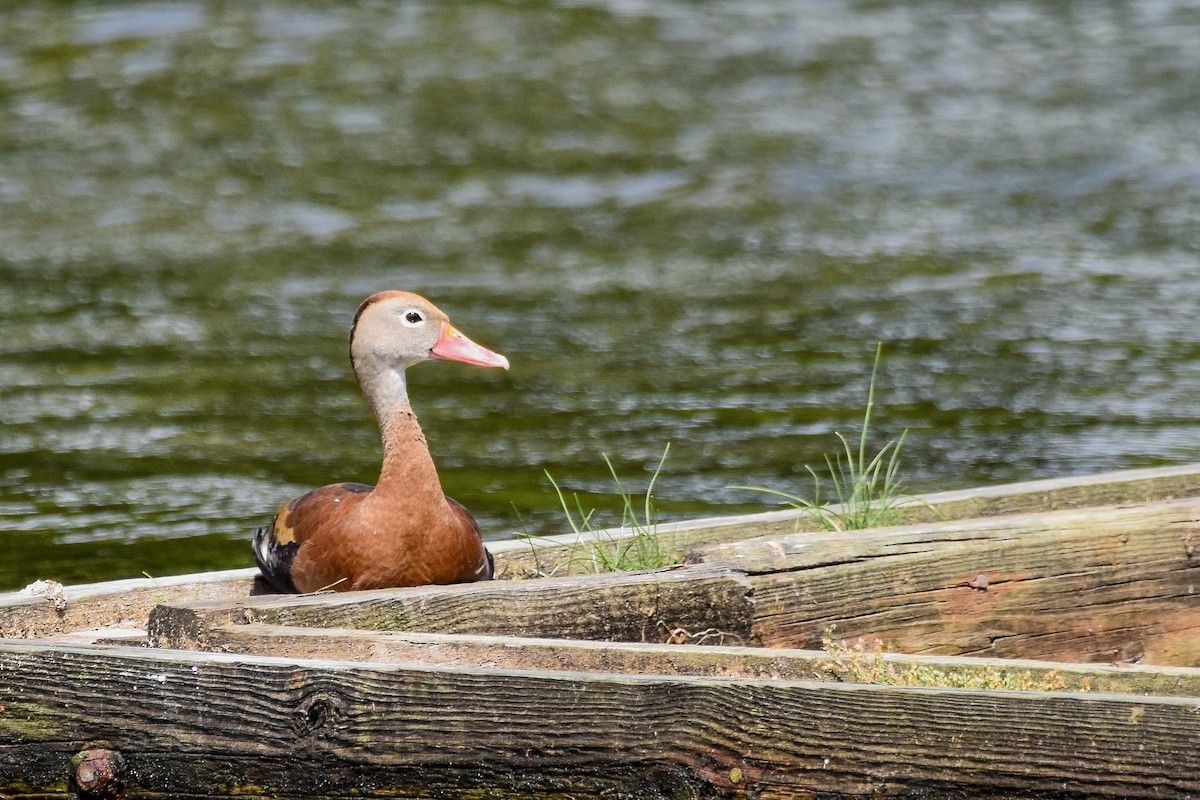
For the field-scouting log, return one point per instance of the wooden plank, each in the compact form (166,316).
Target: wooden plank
(679,658)
(120,604)
(1089,585)
(642,606)
(128,602)
(515,558)
(213,724)
(1134,486)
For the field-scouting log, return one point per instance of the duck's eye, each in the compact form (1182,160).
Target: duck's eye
(414,318)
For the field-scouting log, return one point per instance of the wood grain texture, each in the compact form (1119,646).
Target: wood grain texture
(130,601)
(643,606)
(214,724)
(1135,486)
(123,603)
(515,557)
(559,655)
(1090,585)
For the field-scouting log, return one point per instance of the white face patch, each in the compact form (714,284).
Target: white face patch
(413,318)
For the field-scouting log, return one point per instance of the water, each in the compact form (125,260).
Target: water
(682,222)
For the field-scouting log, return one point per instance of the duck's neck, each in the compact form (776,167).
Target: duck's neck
(408,467)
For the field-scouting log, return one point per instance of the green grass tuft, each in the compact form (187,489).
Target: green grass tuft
(866,491)
(635,545)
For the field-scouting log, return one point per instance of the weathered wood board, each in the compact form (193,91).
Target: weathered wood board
(130,601)
(481,709)
(1134,486)
(681,657)
(225,725)
(1106,584)
(114,604)
(639,606)
(515,557)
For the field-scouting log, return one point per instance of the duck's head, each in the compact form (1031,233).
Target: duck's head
(395,330)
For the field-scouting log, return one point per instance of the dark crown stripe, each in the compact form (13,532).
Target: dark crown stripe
(363,306)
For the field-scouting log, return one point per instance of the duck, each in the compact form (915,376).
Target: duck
(404,530)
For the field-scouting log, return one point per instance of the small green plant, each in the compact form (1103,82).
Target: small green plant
(866,491)
(864,662)
(635,545)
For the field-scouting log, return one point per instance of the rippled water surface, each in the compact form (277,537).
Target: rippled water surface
(682,222)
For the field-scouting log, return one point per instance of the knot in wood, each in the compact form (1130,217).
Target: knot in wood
(99,774)
(317,711)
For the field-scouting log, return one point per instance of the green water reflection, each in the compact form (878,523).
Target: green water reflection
(682,222)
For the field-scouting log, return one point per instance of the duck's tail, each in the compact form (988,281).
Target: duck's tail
(274,561)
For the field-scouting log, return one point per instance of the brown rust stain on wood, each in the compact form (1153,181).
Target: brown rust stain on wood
(1173,639)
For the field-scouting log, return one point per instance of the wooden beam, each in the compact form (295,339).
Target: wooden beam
(1108,584)
(210,724)
(1100,584)
(640,606)
(682,657)
(92,605)
(516,557)
(113,604)
(1134,486)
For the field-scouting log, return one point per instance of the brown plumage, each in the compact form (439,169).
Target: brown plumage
(403,531)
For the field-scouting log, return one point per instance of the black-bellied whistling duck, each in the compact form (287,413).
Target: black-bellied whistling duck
(403,531)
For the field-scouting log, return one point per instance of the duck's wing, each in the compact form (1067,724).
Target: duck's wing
(486,569)
(276,545)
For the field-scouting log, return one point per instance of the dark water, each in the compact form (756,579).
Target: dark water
(683,222)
